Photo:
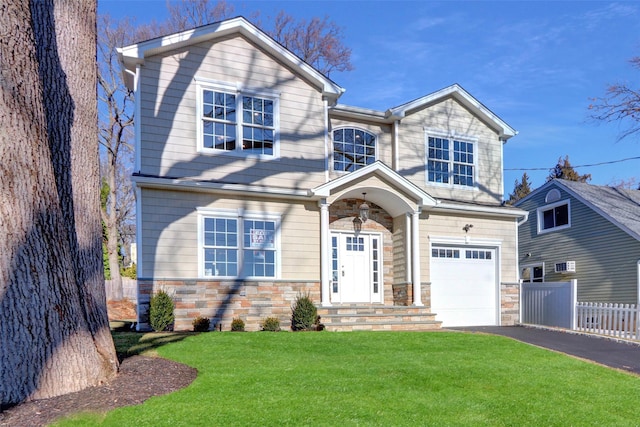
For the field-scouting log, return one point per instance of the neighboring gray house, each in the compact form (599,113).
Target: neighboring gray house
(585,232)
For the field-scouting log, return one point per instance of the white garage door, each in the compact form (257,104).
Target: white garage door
(464,286)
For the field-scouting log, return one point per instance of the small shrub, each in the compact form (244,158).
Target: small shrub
(201,324)
(129,272)
(237,325)
(161,311)
(271,324)
(303,313)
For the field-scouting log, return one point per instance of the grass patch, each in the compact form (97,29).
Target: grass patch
(381,379)
(133,343)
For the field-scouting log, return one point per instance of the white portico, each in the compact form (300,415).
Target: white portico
(351,258)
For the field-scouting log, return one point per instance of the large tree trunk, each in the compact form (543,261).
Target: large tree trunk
(54,334)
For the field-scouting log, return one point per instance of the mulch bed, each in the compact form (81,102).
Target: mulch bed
(140,378)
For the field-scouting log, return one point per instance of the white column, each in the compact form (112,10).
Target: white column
(407,248)
(415,255)
(325,283)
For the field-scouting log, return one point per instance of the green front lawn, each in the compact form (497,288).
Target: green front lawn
(381,379)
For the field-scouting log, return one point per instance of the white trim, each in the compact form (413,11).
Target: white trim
(238,90)
(638,281)
(325,256)
(381,282)
(395,142)
(415,259)
(136,53)
(140,259)
(462,241)
(504,130)
(137,127)
(451,137)
(218,187)
(531,266)
(486,210)
(540,216)
(239,215)
(328,156)
(377,169)
(332,150)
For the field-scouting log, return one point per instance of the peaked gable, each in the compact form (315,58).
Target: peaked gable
(133,55)
(463,97)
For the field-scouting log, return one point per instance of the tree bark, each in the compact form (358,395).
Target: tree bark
(54,332)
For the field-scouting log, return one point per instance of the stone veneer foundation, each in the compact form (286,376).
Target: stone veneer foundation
(222,301)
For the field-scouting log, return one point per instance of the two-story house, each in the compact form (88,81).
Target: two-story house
(586,232)
(255,185)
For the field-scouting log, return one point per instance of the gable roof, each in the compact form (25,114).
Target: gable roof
(621,207)
(380,170)
(133,55)
(462,96)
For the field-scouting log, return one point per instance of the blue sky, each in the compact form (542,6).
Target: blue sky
(536,64)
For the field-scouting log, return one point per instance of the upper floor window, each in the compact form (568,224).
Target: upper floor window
(353,149)
(555,216)
(238,123)
(450,161)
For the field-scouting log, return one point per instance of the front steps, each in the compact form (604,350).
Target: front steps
(351,317)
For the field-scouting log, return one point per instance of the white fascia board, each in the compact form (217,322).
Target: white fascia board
(135,54)
(377,169)
(358,113)
(485,210)
(178,184)
(465,98)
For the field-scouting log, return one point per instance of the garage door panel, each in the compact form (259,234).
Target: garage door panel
(464,289)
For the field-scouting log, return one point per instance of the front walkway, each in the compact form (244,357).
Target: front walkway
(619,354)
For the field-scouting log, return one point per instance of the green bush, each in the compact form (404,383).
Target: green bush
(303,313)
(161,311)
(201,324)
(271,324)
(129,272)
(237,325)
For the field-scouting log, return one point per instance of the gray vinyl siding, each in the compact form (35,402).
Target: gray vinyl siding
(169,122)
(606,257)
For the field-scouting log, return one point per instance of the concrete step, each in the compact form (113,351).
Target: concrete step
(377,318)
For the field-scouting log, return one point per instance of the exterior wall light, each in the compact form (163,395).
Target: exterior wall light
(364,209)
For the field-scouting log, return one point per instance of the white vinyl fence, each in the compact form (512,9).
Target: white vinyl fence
(617,320)
(129,289)
(555,304)
(549,303)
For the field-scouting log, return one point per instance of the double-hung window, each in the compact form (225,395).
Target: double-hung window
(237,122)
(555,216)
(450,160)
(238,244)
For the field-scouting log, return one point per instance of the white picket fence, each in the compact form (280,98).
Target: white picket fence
(616,320)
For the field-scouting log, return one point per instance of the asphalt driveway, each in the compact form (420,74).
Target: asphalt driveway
(614,353)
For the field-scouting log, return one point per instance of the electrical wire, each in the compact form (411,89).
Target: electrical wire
(575,166)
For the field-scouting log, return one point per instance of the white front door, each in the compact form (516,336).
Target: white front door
(357,267)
